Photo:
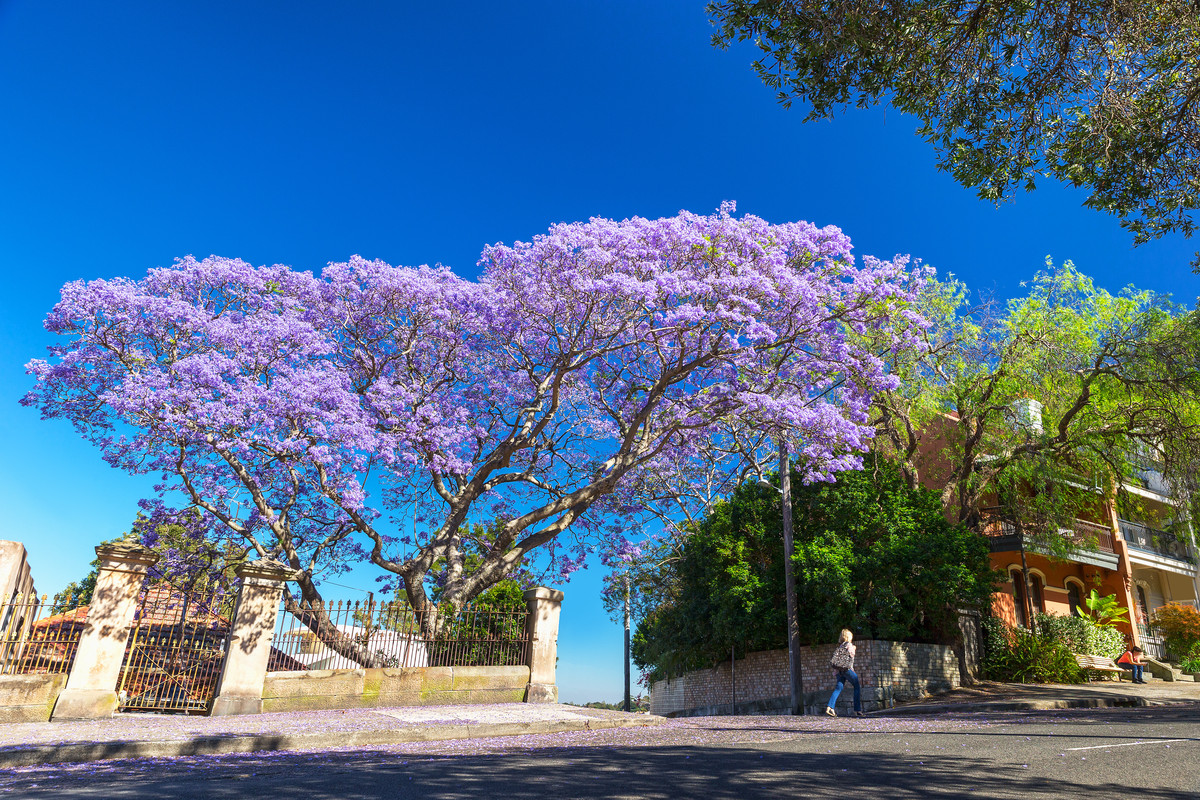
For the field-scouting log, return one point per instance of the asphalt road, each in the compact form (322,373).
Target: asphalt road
(1147,754)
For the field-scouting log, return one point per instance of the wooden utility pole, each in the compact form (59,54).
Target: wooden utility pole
(627,704)
(789,582)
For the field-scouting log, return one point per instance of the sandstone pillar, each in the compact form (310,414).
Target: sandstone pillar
(15,578)
(91,690)
(240,690)
(544,605)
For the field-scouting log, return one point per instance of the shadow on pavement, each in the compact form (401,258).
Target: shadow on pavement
(708,773)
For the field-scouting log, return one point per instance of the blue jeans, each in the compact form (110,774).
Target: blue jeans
(1136,669)
(844,675)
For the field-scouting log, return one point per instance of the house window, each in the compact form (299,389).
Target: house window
(1036,596)
(1018,584)
(1075,598)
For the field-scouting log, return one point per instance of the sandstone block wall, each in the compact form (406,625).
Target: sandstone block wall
(889,672)
(406,686)
(29,698)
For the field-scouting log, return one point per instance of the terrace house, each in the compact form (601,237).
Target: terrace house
(1131,542)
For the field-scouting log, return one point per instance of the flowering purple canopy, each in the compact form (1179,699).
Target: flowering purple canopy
(298,410)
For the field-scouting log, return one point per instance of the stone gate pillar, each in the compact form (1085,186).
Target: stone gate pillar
(91,690)
(240,690)
(544,605)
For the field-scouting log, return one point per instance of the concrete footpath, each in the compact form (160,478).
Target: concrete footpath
(997,697)
(164,735)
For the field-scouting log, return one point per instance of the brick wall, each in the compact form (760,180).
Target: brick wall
(889,672)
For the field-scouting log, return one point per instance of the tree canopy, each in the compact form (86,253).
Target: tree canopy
(1100,95)
(871,554)
(1060,392)
(368,414)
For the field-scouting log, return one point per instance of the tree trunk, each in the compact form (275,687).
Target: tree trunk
(310,611)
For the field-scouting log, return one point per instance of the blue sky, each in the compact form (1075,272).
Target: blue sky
(302,133)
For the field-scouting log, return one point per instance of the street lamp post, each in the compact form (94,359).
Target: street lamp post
(789,582)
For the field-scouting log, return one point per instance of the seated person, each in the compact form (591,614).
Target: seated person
(1131,660)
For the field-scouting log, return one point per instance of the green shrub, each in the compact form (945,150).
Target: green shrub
(1022,656)
(1190,664)
(1180,628)
(1082,635)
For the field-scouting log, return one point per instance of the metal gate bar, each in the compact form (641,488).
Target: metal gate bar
(176,650)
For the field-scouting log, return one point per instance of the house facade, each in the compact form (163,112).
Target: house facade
(1125,546)
(1131,542)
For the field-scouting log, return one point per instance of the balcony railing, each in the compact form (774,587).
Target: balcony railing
(995,524)
(1163,543)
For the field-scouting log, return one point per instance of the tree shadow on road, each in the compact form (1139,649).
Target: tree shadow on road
(652,772)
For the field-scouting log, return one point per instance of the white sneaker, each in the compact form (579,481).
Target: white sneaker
(829,712)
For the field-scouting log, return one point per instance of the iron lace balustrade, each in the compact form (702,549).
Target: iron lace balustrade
(391,634)
(1162,543)
(1001,531)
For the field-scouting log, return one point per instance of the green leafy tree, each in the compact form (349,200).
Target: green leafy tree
(1104,96)
(871,553)
(79,593)
(1041,403)
(192,563)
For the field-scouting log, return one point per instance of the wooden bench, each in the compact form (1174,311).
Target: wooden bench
(1100,664)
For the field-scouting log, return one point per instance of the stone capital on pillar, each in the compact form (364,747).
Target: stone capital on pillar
(245,670)
(544,605)
(91,690)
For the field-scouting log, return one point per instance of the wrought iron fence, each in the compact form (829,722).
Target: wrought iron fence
(176,649)
(346,635)
(38,636)
(1163,543)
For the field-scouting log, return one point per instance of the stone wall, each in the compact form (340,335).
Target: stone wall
(29,698)
(407,686)
(890,672)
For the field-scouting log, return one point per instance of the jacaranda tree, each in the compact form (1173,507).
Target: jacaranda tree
(367,413)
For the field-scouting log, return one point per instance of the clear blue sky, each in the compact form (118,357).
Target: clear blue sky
(302,133)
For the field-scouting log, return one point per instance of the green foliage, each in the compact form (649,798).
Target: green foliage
(1045,400)
(79,593)
(1082,635)
(1106,610)
(1180,628)
(1093,95)
(639,703)
(1190,664)
(1023,656)
(870,553)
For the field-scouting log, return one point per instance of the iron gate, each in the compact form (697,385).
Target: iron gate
(176,649)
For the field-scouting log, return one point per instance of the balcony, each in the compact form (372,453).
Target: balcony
(1149,540)
(1093,542)
(1150,478)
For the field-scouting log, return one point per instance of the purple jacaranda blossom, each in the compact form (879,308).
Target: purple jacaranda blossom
(373,412)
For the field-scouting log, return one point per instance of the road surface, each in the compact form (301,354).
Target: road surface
(1147,754)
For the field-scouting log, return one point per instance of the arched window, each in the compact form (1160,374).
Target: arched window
(1018,584)
(1075,598)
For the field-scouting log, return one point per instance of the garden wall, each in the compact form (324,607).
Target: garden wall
(890,672)
(29,698)
(407,686)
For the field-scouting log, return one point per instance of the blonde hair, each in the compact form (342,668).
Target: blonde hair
(845,635)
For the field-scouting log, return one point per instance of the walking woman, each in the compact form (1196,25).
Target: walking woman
(843,663)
